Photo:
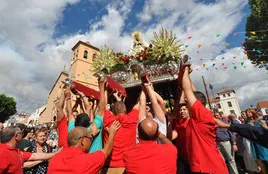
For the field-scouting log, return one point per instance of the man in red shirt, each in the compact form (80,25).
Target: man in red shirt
(125,137)
(200,135)
(178,134)
(76,159)
(148,156)
(12,159)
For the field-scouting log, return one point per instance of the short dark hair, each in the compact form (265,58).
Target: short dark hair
(119,107)
(8,133)
(21,126)
(201,97)
(26,131)
(144,136)
(182,104)
(82,120)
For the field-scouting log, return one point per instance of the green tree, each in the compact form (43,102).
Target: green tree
(256,43)
(7,107)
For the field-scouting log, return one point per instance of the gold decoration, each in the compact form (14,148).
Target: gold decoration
(166,46)
(105,59)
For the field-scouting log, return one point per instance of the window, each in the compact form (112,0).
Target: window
(224,95)
(232,112)
(94,57)
(229,95)
(219,105)
(85,54)
(230,104)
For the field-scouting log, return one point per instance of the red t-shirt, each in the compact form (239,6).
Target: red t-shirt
(201,149)
(12,159)
(74,161)
(180,128)
(124,138)
(63,132)
(150,157)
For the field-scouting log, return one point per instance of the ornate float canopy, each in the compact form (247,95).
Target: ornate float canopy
(160,59)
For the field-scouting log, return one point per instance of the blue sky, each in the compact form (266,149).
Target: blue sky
(78,17)
(35,47)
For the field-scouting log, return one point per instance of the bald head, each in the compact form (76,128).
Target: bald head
(76,134)
(148,129)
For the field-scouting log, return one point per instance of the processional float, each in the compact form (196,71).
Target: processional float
(160,62)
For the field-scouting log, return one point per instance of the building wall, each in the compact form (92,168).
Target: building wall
(227,109)
(80,71)
(264,111)
(50,111)
(81,67)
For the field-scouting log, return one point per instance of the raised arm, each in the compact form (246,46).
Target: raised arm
(142,110)
(187,87)
(86,103)
(60,106)
(158,112)
(110,142)
(67,94)
(160,101)
(116,96)
(103,98)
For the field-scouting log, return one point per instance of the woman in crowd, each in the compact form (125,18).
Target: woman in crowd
(27,138)
(249,161)
(260,153)
(40,145)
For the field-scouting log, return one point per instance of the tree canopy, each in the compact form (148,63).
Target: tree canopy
(7,107)
(256,44)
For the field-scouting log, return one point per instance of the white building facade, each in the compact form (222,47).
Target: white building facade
(226,102)
(33,120)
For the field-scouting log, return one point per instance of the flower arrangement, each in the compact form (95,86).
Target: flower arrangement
(104,60)
(163,54)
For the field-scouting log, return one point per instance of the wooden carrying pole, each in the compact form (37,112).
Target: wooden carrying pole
(204,83)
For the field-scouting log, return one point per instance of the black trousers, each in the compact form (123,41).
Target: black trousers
(183,166)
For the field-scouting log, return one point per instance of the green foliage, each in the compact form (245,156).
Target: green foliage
(105,59)
(7,107)
(166,46)
(256,43)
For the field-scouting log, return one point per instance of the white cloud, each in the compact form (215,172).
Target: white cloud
(33,23)
(26,73)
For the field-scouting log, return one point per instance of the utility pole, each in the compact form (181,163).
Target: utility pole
(204,83)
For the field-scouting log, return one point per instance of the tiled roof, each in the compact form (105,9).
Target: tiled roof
(262,104)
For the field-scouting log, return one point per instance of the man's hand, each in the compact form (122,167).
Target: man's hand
(221,124)
(116,96)
(113,128)
(67,92)
(94,130)
(263,124)
(102,80)
(91,105)
(81,94)
(234,148)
